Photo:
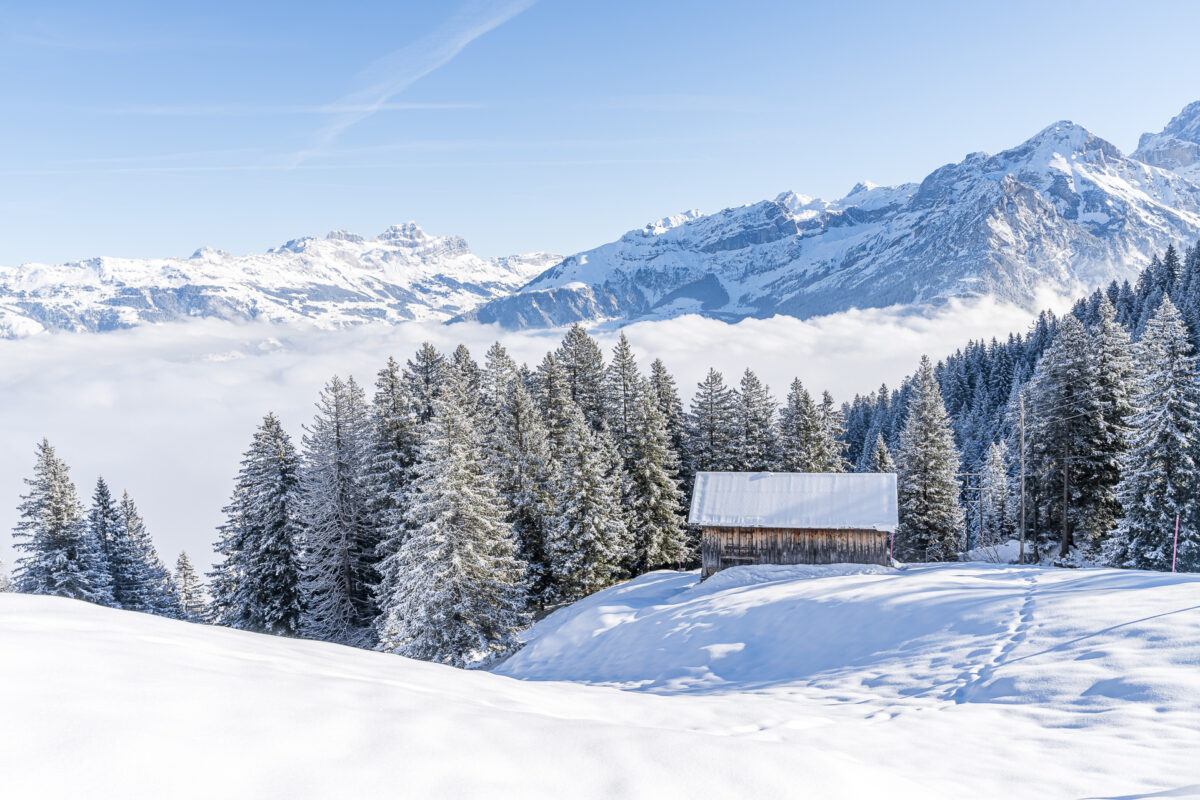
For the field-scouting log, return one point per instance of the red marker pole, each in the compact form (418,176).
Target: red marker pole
(1175,552)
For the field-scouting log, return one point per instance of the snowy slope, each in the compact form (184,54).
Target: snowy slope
(1177,146)
(832,682)
(1063,211)
(342,279)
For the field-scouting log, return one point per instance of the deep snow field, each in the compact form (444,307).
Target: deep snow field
(957,681)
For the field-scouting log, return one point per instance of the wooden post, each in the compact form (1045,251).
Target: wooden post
(1022,405)
(1175,552)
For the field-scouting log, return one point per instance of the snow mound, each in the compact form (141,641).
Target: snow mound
(839,681)
(100,703)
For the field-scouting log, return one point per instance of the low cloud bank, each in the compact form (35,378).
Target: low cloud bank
(166,411)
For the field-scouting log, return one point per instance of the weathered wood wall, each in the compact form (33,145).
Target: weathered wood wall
(731,547)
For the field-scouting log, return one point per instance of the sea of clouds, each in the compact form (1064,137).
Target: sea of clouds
(165,411)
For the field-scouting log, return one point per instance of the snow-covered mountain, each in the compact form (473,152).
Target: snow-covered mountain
(1177,146)
(402,274)
(1064,211)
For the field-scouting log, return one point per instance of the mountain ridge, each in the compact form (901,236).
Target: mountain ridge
(1063,211)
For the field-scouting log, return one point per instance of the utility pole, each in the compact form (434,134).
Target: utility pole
(1021,560)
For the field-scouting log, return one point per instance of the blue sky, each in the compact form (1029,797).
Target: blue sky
(149,129)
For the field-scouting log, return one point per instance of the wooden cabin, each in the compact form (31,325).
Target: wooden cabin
(793,518)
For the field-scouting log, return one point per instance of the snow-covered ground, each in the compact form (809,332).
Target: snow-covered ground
(965,680)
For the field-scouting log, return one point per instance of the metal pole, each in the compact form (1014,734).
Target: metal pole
(1022,405)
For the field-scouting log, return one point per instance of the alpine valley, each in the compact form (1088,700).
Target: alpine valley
(1064,212)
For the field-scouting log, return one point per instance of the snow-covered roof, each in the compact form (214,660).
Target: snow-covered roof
(861,501)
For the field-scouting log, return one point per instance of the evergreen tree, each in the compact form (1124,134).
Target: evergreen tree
(395,444)
(102,522)
(499,371)
(6,584)
(257,583)
(996,522)
(456,594)
(755,445)
(1161,476)
(193,605)
(710,438)
(425,377)
(653,500)
(466,377)
(520,459)
(1068,438)
(553,398)
(623,381)
(927,475)
(58,554)
(802,436)
(582,363)
(1114,369)
(340,541)
(141,582)
(588,540)
(881,458)
(669,403)
(833,430)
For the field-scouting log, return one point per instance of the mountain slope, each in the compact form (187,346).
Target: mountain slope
(342,279)
(1063,211)
(832,682)
(1177,146)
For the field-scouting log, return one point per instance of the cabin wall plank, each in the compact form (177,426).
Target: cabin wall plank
(723,547)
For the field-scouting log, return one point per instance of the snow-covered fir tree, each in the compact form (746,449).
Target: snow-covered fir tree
(623,380)
(589,538)
(519,458)
(1068,440)
(1161,476)
(425,376)
(256,583)
(1112,351)
(58,555)
(193,602)
(833,429)
(653,501)
(102,522)
(582,363)
(755,440)
(6,584)
(880,457)
(996,524)
(340,539)
(667,395)
(395,442)
(466,377)
(927,466)
(499,371)
(456,593)
(553,398)
(141,581)
(802,436)
(710,436)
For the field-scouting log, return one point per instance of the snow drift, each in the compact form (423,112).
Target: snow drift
(962,680)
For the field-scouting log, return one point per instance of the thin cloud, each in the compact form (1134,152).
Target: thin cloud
(394,73)
(340,167)
(272,111)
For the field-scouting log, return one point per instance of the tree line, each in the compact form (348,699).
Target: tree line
(435,517)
